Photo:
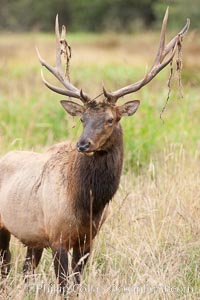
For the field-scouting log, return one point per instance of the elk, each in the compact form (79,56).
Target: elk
(58,199)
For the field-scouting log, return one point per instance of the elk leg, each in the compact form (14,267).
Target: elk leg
(5,254)
(60,257)
(33,256)
(79,260)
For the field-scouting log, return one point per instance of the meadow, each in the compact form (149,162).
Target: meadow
(149,247)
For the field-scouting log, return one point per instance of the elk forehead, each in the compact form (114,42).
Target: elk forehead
(98,112)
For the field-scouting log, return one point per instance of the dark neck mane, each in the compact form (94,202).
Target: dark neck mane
(97,176)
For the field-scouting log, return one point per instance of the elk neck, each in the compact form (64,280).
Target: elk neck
(96,177)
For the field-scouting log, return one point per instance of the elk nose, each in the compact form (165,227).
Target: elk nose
(83,146)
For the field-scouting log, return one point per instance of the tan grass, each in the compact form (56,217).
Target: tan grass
(149,247)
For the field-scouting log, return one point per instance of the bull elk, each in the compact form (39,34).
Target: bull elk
(58,199)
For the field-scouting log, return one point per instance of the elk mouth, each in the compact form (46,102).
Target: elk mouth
(89,153)
(85,152)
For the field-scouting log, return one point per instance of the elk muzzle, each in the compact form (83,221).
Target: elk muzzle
(84,145)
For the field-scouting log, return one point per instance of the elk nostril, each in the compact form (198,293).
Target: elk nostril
(83,146)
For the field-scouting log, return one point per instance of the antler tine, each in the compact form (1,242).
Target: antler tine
(58,48)
(57,71)
(172,43)
(71,93)
(162,37)
(158,64)
(59,90)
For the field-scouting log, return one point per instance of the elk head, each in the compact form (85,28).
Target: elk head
(99,121)
(100,118)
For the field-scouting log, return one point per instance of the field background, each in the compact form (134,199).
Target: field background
(149,247)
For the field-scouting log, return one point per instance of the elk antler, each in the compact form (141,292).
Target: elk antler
(158,64)
(61,46)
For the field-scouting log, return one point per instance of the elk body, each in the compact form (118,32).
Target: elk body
(58,199)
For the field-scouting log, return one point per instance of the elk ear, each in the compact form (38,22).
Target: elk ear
(129,108)
(74,109)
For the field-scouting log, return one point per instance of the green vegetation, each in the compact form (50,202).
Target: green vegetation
(95,15)
(149,246)
(31,116)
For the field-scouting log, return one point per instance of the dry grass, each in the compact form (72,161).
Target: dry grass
(149,247)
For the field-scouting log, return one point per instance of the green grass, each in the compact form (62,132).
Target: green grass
(31,116)
(151,237)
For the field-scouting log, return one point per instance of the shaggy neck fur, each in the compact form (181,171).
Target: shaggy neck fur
(97,176)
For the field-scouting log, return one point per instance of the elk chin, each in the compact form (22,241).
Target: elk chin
(89,153)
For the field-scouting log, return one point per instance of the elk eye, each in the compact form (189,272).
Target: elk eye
(81,119)
(110,121)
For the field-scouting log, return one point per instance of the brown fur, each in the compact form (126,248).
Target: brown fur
(50,199)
